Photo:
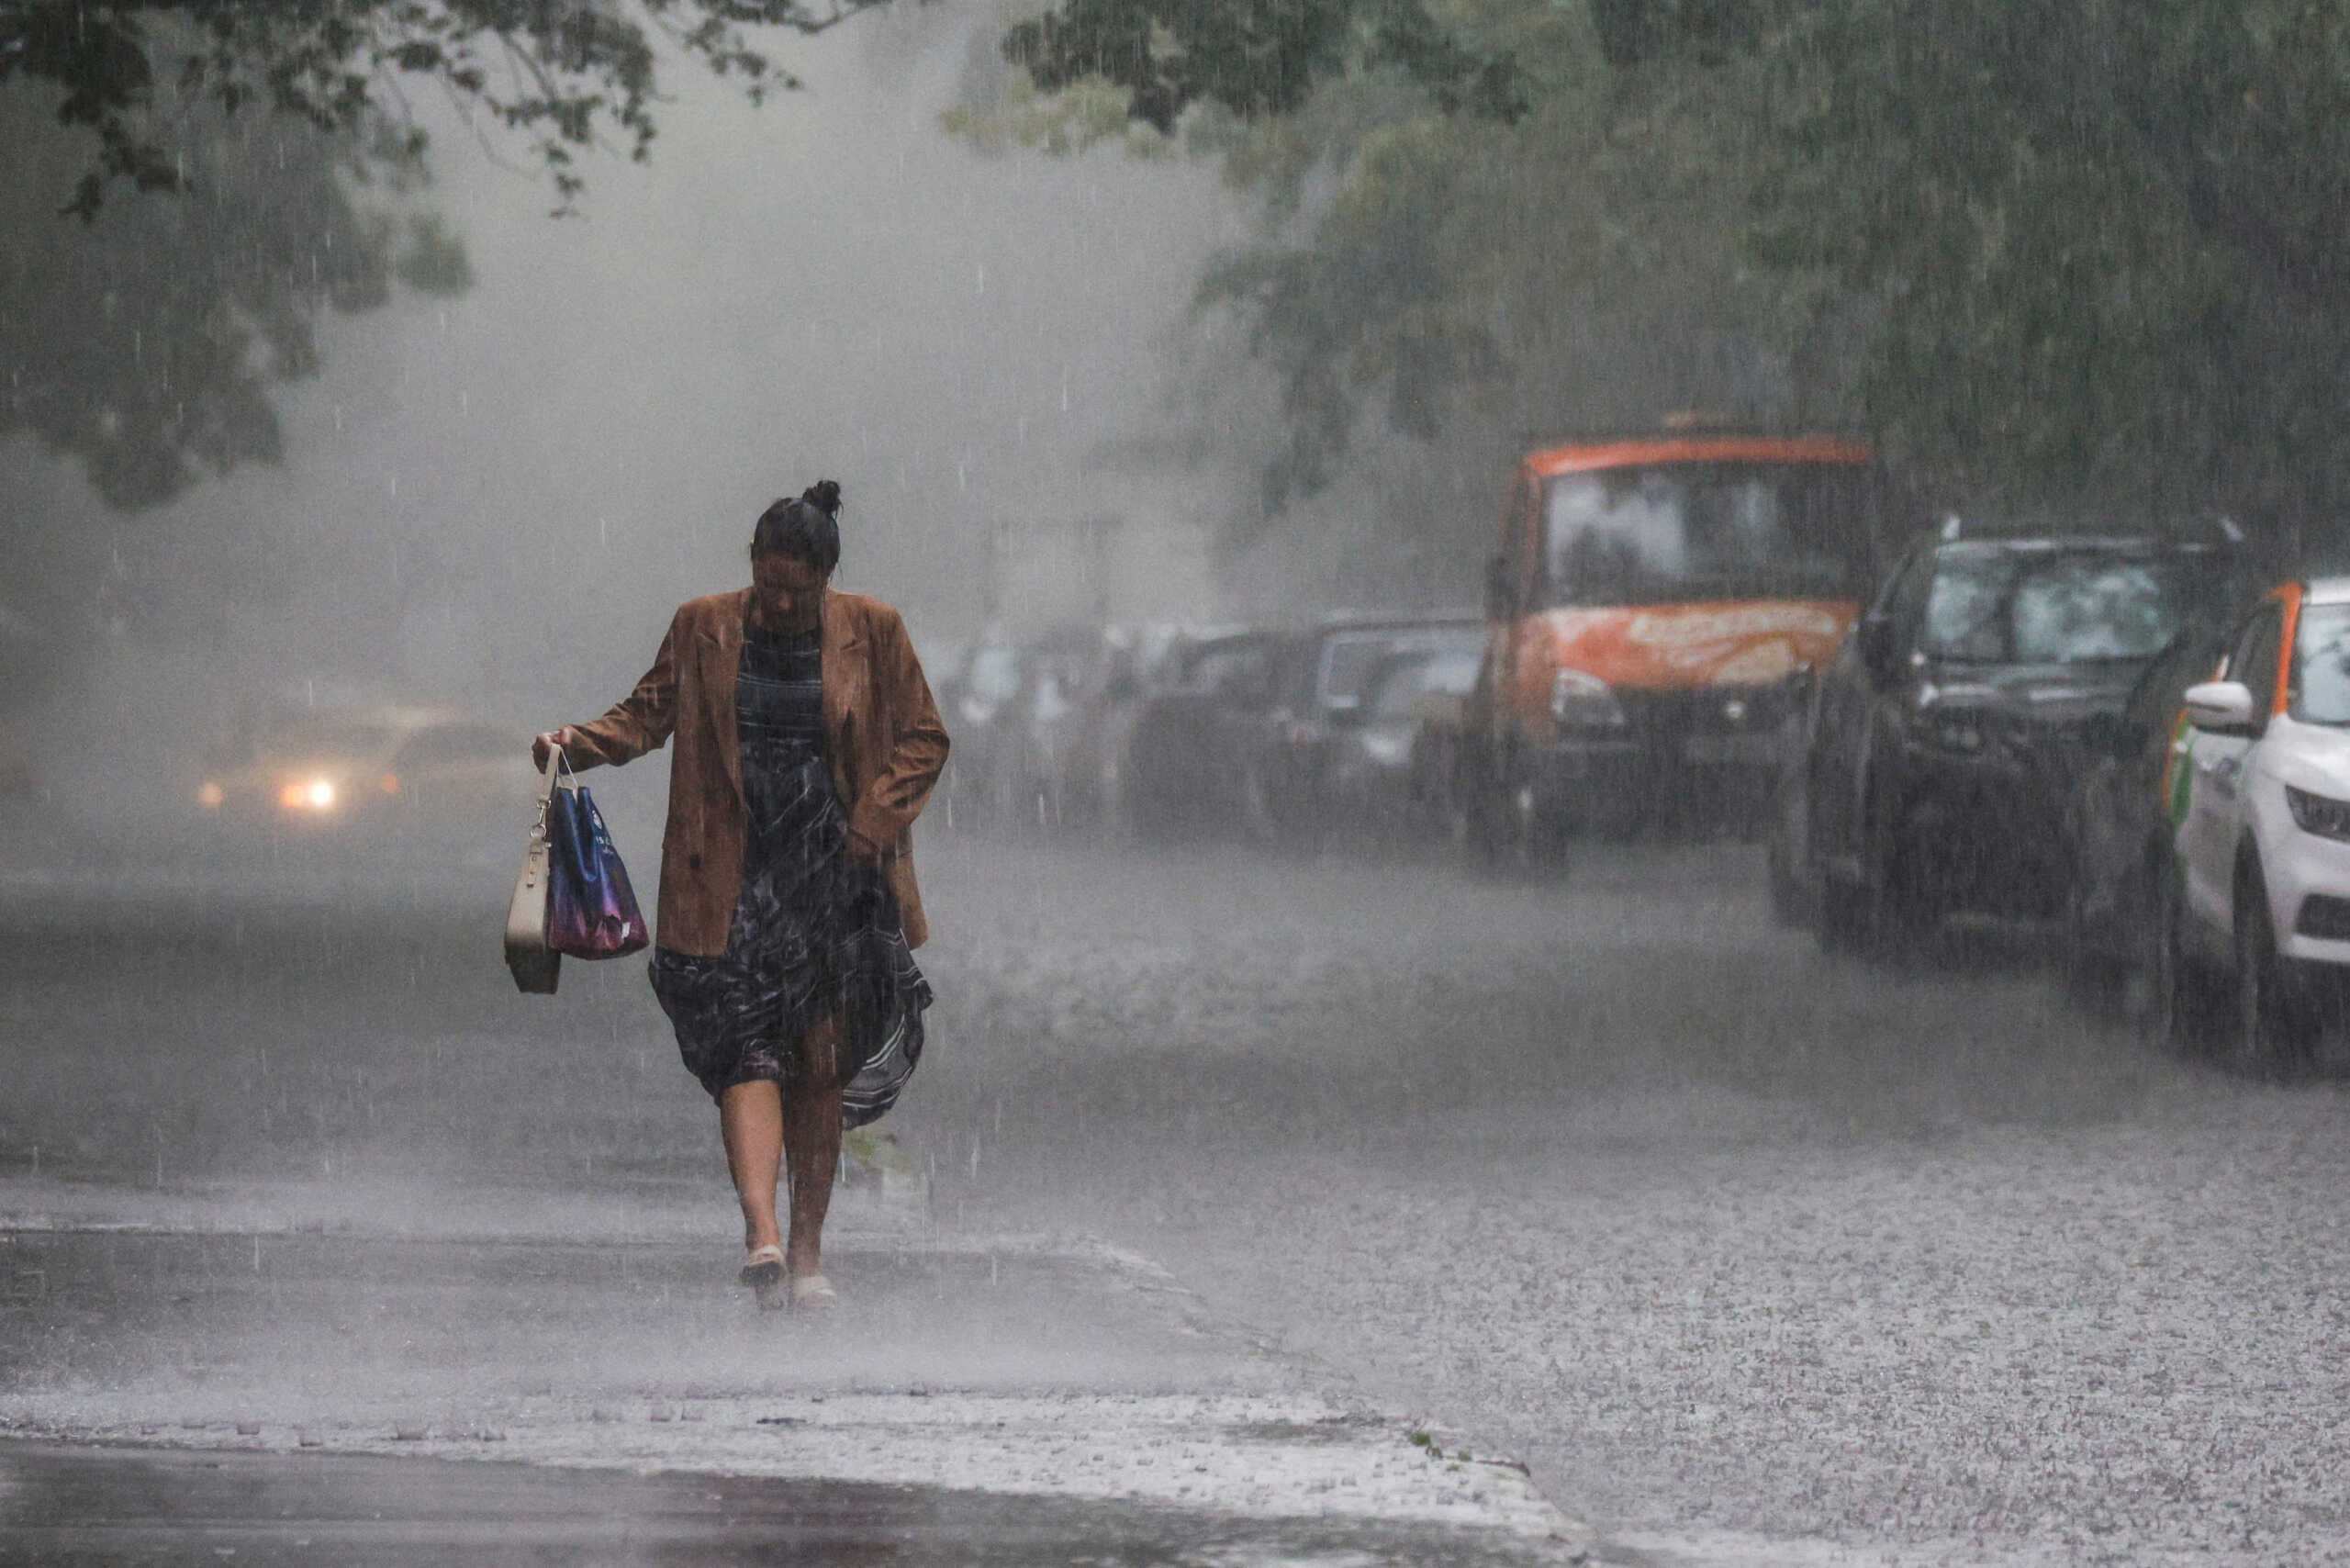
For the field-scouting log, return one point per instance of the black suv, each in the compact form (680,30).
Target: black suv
(1932,770)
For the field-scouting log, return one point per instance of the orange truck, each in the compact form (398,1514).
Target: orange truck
(1651,599)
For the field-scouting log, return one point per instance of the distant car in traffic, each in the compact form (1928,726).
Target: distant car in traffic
(1932,774)
(2255,913)
(382,774)
(980,701)
(1185,768)
(1306,757)
(1392,764)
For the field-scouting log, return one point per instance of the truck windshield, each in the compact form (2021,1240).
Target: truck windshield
(2321,692)
(1684,531)
(1992,605)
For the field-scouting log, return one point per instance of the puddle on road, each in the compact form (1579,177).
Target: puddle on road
(65,1507)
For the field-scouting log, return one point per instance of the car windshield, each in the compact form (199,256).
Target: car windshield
(1416,676)
(1352,661)
(1995,605)
(1706,531)
(2321,693)
(330,736)
(1233,669)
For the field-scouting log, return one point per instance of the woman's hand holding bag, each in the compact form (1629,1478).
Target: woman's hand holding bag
(573,895)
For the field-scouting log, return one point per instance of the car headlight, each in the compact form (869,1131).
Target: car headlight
(211,796)
(308,795)
(1580,702)
(2319,814)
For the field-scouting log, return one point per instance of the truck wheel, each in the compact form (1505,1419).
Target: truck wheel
(1790,906)
(1507,832)
(1794,902)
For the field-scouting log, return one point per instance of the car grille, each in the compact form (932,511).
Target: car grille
(1667,716)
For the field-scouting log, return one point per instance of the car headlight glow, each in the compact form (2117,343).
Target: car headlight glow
(308,795)
(1580,701)
(211,796)
(2319,814)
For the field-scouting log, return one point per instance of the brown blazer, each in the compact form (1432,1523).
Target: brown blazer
(880,725)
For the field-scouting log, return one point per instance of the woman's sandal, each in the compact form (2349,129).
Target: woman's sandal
(813,1295)
(763,1272)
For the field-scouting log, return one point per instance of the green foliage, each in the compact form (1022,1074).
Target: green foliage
(433,262)
(187,195)
(1575,263)
(142,346)
(142,342)
(558,72)
(2108,243)
(1255,58)
(2086,250)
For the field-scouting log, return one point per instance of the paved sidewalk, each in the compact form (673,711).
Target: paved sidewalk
(1038,1390)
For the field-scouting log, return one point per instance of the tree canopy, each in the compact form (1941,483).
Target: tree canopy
(192,184)
(2086,250)
(563,73)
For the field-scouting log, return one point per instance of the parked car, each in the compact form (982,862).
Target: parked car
(1040,728)
(1087,745)
(1931,776)
(1297,754)
(2255,913)
(2118,823)
(975,699)
(380,774)
(1647,598)
(1185,769)
(1392,763)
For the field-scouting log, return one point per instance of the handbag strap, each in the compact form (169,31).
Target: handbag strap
(551,778)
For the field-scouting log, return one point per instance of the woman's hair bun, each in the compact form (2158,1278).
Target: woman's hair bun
(824,495)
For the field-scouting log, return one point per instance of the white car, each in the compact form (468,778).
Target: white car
(2255,922)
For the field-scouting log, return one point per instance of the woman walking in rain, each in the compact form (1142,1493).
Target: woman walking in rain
(806,744)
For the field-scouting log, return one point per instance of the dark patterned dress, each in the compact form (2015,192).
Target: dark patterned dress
(815,932)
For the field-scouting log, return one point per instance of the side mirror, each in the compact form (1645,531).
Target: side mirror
(2221,707)
(1501,588)
(1874,637)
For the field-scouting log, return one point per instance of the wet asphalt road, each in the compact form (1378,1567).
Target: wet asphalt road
(98,1508)
(1754,1255)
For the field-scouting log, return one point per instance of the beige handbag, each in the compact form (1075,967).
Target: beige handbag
(536,965)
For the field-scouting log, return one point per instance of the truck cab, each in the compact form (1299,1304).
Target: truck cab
(1649,601)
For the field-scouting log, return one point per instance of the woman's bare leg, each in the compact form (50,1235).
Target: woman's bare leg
(750,1120)
(812,1137)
